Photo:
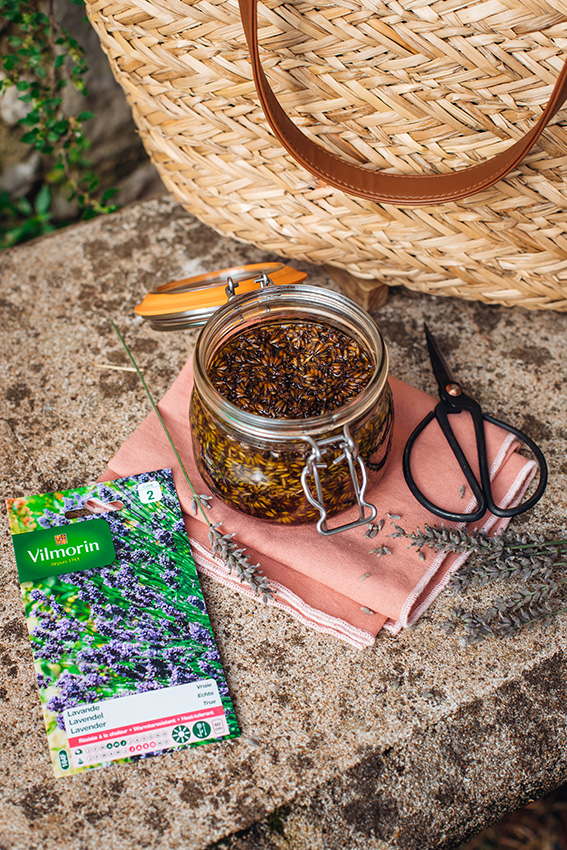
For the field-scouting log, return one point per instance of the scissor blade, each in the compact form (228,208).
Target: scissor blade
(440,367)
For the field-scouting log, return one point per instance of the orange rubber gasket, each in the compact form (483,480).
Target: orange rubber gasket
(209,289)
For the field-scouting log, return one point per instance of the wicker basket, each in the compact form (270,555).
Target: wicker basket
(411,87)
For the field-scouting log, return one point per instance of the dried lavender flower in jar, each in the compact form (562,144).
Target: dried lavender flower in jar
(269,388)
(290,370)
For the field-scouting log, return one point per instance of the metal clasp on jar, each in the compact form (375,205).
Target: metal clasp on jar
(231,286)
(315,462)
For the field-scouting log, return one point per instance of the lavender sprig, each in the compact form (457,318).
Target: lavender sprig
(506,568)
(503,618)
(442,538)
(504,557)
(235,559)
(222,545)
(200,501)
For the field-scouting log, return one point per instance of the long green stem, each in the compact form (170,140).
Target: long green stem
(222,544)
(162,423)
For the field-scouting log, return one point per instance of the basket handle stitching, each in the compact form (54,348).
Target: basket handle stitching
(401,189)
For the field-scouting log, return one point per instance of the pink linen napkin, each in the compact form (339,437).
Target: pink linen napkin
(319,580)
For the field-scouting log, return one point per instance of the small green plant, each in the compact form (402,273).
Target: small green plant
(23,219)
(40,59)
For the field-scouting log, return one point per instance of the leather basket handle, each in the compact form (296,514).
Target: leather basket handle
(402,189)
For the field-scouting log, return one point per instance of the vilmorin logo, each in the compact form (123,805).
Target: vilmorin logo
(56,554)
(83,545)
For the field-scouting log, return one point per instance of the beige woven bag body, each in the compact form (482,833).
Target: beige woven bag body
(402,88)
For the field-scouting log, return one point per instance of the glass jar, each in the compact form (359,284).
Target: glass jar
(292,470)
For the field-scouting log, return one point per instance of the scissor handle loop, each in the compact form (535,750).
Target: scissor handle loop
(542,464)
(471,479)
(482,491)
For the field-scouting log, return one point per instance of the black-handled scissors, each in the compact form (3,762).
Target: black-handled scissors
(454,401)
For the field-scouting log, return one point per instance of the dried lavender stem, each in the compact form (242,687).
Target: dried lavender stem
(458,540)
(159,416)
(229,552)
(541,616)
(545,543)
(501,557)
(499,623)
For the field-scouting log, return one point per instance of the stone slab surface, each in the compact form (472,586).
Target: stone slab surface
(414,743)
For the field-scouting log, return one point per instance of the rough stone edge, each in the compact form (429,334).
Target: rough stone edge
(510,747)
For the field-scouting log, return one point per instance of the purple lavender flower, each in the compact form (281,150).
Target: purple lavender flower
(180,676)
(128,626)
(38,595)
(164,536)
(201,634)
(105,494)
(207,669)
(74,502)
(50,518)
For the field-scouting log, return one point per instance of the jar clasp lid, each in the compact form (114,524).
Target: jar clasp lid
(231,286)
(315,461)
(191,302)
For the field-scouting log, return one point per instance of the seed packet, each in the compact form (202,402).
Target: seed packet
(126,660)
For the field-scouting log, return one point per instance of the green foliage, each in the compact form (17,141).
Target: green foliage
(21,219)
(40,59)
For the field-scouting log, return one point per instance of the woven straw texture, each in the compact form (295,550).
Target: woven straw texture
(412,87)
